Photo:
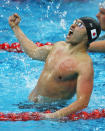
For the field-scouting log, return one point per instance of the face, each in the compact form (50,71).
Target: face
(77,32)
(101,18)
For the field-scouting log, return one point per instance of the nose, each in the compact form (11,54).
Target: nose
(73,26)
(98,15)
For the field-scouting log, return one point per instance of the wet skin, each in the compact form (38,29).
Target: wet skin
(58,79)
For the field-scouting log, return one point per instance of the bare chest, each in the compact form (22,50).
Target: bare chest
(61,65)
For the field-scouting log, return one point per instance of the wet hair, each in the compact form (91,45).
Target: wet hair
(93,28)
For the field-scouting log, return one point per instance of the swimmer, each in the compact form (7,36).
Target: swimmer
(68,69)
(99,45)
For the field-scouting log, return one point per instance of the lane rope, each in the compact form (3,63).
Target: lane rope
(35,116)
(15,47)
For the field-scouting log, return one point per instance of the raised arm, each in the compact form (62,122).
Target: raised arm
(29,47)
(97,46)
(84,90)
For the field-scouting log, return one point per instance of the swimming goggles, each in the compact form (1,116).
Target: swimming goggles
(79,24)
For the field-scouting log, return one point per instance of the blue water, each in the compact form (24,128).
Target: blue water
(43,21)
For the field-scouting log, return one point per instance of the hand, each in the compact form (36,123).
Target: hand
(14,20)
(50,116)
(46,115)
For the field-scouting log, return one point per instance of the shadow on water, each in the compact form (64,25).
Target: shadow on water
(41,107)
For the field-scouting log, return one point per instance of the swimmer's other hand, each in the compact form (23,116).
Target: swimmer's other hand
(46,115)
(52,116)
(14,20)
(49,116)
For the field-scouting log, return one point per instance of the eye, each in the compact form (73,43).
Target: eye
(80,24)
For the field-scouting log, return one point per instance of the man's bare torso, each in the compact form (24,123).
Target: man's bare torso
(59,77)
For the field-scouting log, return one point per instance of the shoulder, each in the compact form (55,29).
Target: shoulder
(85,66)
(97,46)
(98,43)
(60,43)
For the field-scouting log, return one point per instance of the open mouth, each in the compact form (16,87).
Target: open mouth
(70,33)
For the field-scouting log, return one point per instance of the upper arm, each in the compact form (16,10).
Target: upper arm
(85,85)
(97,46)
(40,53)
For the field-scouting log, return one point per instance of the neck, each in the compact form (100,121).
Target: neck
(80,47)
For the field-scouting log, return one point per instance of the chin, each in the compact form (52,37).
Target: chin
(68,40)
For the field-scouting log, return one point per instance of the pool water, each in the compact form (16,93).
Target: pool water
(43,21)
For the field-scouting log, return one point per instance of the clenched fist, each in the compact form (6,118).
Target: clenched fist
(14,20)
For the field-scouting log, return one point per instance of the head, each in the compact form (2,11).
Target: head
(101,15)
(83,30)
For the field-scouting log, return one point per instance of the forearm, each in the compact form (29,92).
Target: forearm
(26,44)
(74,107)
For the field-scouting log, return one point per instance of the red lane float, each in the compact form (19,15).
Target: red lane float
(26,116)
(15,47)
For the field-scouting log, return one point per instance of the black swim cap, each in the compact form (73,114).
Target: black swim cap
(93,28)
